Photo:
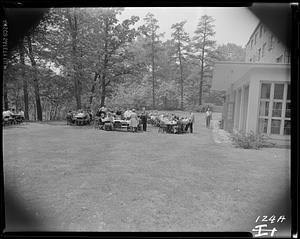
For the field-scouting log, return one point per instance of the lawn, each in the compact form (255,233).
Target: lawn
(77,178)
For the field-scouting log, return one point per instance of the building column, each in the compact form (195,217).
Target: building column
(253,106)
(241,109)
(236,109)
(225,112)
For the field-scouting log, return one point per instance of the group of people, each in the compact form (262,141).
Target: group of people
(172,122)
(104,118)
(134,120)
(85,116)
(185,123)
(12,116)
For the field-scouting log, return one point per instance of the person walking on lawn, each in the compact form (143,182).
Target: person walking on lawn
(144,117)
(208,117)
(192,120)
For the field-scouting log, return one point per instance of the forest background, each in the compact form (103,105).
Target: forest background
(79,58)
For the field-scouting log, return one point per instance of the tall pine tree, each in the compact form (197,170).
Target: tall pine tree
(150,31)
(180,38)
(203,49)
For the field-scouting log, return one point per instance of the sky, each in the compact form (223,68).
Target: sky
(232,24)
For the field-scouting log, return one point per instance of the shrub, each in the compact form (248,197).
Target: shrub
(250,140)
(221,124)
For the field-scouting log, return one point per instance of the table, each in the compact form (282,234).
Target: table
(176,127)
(81,120)
(12,119)
(121,124)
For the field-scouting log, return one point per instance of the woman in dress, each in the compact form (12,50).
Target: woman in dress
(133,123)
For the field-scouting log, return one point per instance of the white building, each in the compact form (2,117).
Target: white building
(264,47)
(257,90)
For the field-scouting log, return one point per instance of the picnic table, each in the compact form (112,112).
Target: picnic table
(121,124)
(81,119)
(12,119)
(115,124)
(174,127)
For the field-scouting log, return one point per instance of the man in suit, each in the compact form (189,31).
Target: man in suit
(144,117)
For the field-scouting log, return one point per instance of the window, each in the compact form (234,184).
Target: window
(259,50)
(286,56)
(278,91)
(287,127)
(275,109)
(275,126)
(288,110)
(288,97)
(263,49)
(279,59)
(255,38)
(263,125)
(265,91)
(264,108)
(251,44)
(250,59)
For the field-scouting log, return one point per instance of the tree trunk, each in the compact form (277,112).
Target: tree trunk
(35,81)
(55,112)
(72,19)
(103,93)
(93,88)
(17,99)
(202,72)
(5,95)
(77,94)
(105,62)
(153,76)
(25,84)
(34,111)
(201,83)
(202,66)
(181,78)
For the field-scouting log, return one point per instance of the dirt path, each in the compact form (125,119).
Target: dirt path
(79,178)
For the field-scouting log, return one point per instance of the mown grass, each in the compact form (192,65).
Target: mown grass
(79,178)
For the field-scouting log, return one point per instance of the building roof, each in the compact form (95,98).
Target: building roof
(253,32)
(226,73)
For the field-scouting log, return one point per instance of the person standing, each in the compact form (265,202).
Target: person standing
(104,110)
(91,116)
(127,114)
(69,117)
(192,120)
(21,112)
(133,121)
(144,117)
(208,117)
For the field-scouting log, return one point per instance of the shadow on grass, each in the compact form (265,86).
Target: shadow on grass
(17,218)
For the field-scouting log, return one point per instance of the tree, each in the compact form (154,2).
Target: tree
(25,83)
(112,60)
(149,30)
(230,52)
(181,38)
(204,46)
(72,17)
(31,56)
